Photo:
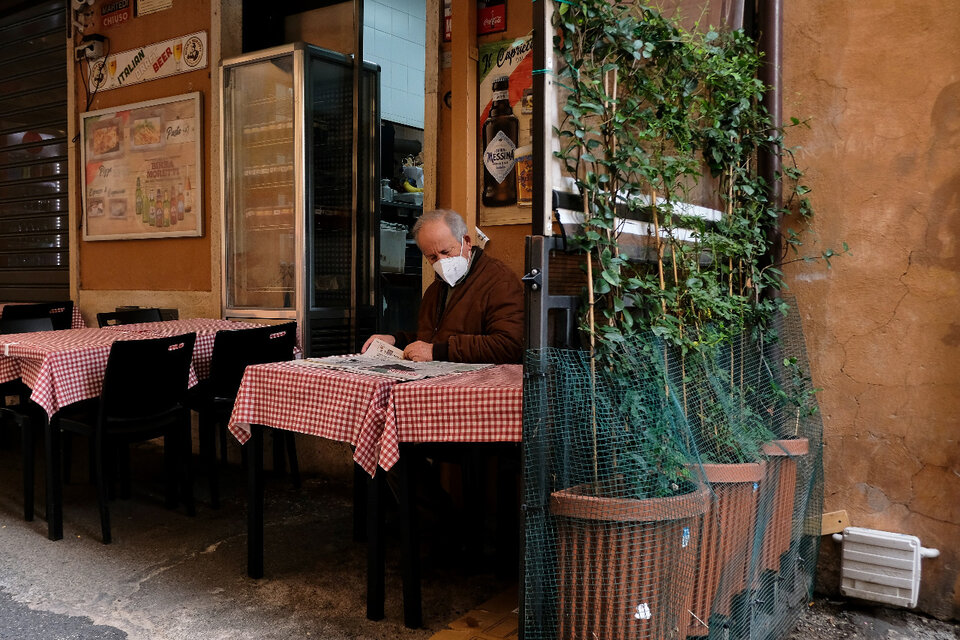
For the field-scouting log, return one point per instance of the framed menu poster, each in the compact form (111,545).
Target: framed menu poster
(142,170)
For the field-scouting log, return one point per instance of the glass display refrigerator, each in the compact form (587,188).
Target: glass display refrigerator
(300,157)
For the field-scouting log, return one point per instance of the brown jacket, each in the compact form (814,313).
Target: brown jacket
(479,320)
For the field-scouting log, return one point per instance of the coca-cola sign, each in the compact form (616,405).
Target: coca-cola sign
(491,16)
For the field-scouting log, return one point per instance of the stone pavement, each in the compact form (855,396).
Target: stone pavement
(167,576)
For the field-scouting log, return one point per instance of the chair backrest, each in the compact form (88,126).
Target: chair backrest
(233,351)
(60,313)
(25,325)
(130,316)
(146,377)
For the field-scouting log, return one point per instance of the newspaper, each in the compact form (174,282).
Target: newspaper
(382,359)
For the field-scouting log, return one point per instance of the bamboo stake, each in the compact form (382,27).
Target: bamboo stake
(593,362)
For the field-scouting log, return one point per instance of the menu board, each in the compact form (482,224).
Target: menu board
(142,170)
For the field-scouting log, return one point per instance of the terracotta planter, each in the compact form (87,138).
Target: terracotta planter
(726,540)
(781,480)
(625,567)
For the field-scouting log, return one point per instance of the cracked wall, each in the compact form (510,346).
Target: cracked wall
(880,83)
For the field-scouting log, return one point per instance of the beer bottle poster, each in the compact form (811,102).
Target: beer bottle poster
(142,170)
(505,121)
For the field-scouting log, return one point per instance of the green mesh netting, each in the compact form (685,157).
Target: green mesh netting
(671,496)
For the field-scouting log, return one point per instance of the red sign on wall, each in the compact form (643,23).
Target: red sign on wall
(114,13)
(447,21)
(491,16)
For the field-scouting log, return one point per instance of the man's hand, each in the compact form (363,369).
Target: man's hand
(386,338)
(419,351)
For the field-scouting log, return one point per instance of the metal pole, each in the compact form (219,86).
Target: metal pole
(770,19)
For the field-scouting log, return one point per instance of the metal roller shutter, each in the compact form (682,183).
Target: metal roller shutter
(34,263)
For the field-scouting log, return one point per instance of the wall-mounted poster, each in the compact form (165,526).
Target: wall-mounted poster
(182,54)
(491,16)
(506,118)
(142,176)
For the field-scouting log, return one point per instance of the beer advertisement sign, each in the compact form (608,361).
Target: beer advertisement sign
(142,175)
(506,118)
(149,62)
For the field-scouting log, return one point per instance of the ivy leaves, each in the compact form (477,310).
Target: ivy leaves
(652,111)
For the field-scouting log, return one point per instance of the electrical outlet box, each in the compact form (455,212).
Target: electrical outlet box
(91,47)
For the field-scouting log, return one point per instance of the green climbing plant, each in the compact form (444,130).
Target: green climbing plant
(653,115)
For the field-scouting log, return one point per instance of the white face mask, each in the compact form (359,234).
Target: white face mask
(453,268)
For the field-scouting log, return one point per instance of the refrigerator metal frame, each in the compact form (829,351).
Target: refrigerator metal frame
(304,195)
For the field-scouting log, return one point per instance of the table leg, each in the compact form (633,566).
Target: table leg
(54,481)
(255,502)
(376,564)
(362,486)
(474,486)
(409,540)
(29,460)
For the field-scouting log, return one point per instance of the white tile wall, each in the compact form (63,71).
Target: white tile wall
(394,32)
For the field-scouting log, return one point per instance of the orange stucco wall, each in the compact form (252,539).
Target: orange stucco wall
(166,264)
(881,86)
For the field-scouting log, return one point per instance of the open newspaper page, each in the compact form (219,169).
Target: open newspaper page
(382,359)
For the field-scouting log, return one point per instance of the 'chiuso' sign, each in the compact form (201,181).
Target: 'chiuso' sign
(152,61)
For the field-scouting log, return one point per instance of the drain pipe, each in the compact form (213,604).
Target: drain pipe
(770,22)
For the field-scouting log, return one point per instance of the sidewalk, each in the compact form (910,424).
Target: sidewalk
(170,577)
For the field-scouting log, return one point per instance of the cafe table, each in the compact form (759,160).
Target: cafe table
(474,412)
(303,398)
(60,368)
(378,416)
(76,319)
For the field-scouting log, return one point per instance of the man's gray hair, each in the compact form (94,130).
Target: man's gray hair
(452,219)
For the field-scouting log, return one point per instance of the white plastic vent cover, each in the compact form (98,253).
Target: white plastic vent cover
(881,566)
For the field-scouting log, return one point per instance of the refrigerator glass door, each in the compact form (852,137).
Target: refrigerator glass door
(331,97)
(260,193)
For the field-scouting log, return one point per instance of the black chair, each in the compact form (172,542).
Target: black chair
(213,398)
(26,325)
(165,313)
(143,398)
(130,316)
(24,413)
(60,313)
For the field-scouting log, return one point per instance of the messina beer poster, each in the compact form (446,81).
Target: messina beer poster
(506,115)
(142,170)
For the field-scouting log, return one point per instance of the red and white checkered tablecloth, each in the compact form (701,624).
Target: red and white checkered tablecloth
(76,319)
(333,404)
(483,406)
(205,328)
(61,367)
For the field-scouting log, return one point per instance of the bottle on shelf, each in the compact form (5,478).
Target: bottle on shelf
(180,205)
(139,203)
(158,209)
(148,209)
(500,131)
(188,198)
(166,208)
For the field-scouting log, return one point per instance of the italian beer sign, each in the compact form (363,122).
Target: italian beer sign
(142,175)
(149,62)
(506,112)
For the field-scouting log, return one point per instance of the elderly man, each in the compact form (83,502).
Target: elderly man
(473,310)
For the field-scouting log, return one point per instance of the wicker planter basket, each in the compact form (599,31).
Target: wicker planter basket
(781,479)
(626,567)
(726,540)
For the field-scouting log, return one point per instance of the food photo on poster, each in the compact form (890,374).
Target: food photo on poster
(505,120)
(141,170)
